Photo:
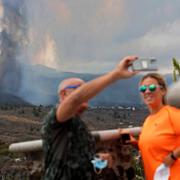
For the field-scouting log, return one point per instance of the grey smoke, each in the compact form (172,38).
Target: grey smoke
(12,36)
(17,50)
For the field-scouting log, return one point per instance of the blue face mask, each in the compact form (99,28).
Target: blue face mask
(99,163)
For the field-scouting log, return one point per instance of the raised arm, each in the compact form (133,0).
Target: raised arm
(69,106)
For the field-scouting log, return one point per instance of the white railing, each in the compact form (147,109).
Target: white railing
(104,135)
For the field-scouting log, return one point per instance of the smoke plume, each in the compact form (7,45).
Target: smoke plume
(12,35)
(25,40)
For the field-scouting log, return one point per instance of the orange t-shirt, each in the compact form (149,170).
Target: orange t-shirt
(160,135)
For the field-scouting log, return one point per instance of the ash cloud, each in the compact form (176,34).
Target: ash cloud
(23,43)
(12,35)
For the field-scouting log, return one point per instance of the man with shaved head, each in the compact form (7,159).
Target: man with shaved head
(67,143)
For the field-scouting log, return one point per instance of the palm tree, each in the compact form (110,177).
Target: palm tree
(176,69)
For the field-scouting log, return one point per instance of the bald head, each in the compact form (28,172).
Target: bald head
(66,87)
(69,82)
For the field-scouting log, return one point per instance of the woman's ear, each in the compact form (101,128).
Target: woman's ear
(164,92)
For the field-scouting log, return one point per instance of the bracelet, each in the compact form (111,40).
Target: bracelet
(172,156)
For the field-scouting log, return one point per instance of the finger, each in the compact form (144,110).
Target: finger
(132,58)
(129,61)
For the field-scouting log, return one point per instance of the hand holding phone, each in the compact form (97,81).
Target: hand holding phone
(125,139)
(145,64)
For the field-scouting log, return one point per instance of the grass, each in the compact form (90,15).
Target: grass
(4,150)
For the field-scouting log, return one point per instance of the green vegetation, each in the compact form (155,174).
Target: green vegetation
(139,168)
(176,69)
(35,112)
(21,111)
(4,150)
(4,107)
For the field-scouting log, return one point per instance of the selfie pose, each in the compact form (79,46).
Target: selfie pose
(67,144)
(159,141)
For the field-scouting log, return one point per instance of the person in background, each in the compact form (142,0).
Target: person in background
(67,143)
(159,141)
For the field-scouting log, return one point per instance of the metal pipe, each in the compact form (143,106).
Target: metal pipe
(104,135)
(27,146)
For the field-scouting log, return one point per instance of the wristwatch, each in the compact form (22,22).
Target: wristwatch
(172,156)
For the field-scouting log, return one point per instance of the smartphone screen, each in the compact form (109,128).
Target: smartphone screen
(125,138)
(145,64)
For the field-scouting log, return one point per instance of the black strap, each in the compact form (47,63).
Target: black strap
(172,156)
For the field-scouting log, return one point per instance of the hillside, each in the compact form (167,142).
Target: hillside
(19,123)
(39,86)
(7,98)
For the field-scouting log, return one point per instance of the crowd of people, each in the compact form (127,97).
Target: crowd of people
(69,147)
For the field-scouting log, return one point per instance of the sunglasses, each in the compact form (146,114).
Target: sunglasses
(72,86)
(151,87)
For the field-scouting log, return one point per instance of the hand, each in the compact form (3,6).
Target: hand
(123,67)
(133,141)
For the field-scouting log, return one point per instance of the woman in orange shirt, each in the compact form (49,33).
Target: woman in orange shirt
(159,141)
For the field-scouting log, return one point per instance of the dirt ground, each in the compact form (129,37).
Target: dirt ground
(18,124)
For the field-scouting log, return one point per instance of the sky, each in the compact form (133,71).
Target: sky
(92,36)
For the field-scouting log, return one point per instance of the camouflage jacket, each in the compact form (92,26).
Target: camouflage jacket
(68,149)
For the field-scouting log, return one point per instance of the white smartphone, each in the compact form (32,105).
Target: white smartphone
(145,64)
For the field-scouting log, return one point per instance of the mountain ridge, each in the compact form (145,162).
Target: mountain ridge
(40,83)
